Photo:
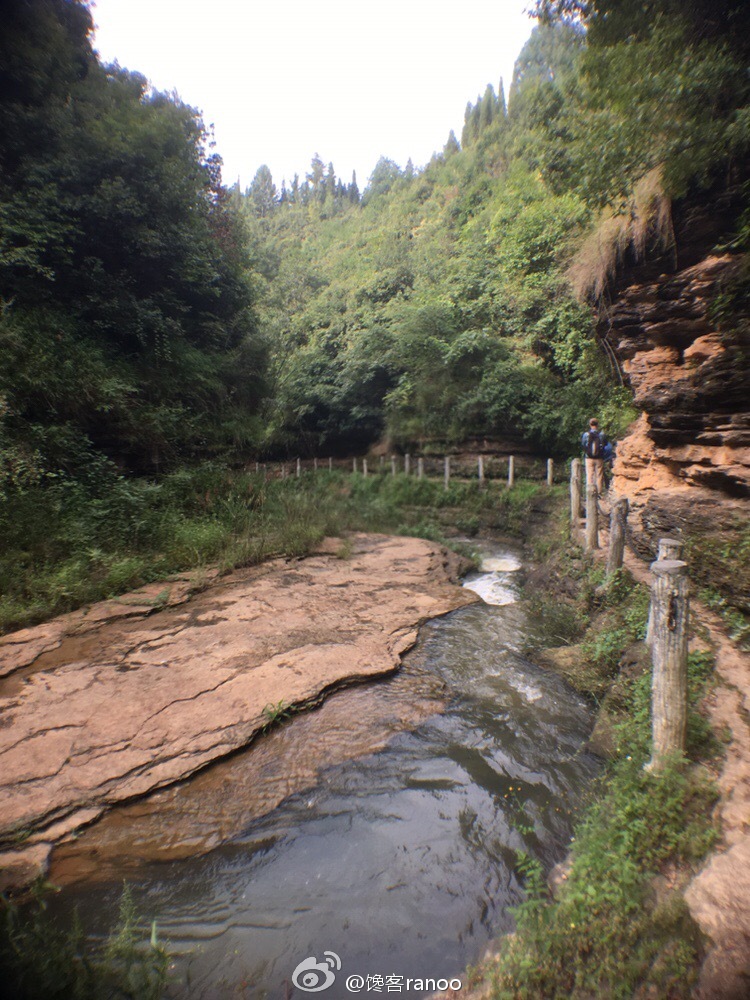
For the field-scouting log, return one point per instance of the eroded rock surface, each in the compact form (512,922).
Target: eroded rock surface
(105,705)
(689,377)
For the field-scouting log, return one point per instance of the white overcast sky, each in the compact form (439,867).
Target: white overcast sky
(350,80)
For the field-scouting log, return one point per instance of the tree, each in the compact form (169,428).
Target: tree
(316,178)
(502,107)
(263,192)
(451,146)
(382,179)
(488,110)
(354,189)
(466,131)
(122,259)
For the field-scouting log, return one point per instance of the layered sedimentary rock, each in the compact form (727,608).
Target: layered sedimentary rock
(688,456)
(108,704)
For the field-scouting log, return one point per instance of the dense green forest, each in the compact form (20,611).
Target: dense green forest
(159,330)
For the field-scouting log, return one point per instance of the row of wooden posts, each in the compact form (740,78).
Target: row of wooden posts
(668,620)
(362,466)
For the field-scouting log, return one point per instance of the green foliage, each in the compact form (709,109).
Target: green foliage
(65,541)
(661,83)
(720,564)
(126,321)
(604,933)
(274,714)
(40,960)
(437,309)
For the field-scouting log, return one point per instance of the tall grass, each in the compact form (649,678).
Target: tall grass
(68,544)
(39,960)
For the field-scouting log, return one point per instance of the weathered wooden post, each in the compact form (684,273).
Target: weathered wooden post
(420,468)
(670,603)
(668,548)
(480,471)
(592,517)
(315,465)
(299,468)
(393,465)
(283,471)
(617,522)
(550,472)
(257,467)
(354,465)
(364,467)
(407,463)
(330,465)
(511,470)
(446,472)
(576,488)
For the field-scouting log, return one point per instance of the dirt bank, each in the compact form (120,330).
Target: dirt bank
(110,703)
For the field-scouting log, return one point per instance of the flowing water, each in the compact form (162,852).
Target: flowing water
(384,827)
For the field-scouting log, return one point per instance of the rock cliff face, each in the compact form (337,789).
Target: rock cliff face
(686,461)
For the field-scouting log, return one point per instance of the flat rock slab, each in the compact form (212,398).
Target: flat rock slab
(130,696)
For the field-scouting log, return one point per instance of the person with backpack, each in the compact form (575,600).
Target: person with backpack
(594,443)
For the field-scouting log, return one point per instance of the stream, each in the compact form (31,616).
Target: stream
(382,827)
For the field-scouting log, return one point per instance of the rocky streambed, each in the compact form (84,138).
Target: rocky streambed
(132,695)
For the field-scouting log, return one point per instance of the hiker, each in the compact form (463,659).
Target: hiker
(594,442)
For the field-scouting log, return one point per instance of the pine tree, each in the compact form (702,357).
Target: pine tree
(488,109)
(466,130)
(451,147)
(330,182)
(263,191)
(316,177)
(354,189)
(475,120)
(502,104)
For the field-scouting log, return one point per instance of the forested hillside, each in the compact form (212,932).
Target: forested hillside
(455,300)
(159,330)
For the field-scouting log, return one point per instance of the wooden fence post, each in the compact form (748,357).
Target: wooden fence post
(330,465)
(617,522)
(393,465)
(576,488)
(283,471)
(407,464)
(257,466)
(550,472)
(299,468)
(670,602)
(315,465)
(420,468)
(364,467)
(446,472)
(480,470)
(592,518)
(668,548)
(511,470)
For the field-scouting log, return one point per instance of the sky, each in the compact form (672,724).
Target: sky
(349,80)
